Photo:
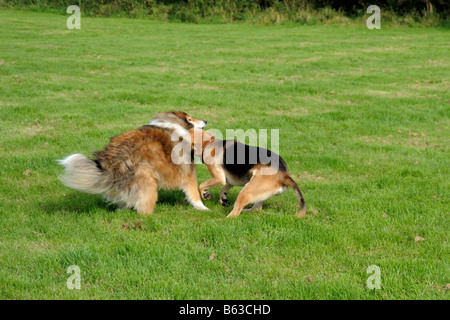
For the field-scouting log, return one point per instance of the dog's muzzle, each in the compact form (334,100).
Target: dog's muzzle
(201,124)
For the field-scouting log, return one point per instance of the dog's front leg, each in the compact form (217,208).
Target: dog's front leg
(223,195)
(211,183)
(218,179)
(192,194)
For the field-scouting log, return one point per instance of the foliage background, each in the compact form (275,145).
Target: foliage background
(410,12)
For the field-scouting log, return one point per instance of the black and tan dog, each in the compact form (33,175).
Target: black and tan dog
(136,163)
(232,163)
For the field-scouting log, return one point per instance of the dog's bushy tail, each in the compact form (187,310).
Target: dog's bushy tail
(83,174)
(288,181)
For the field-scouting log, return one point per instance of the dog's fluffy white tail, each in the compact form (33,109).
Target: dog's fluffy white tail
(82,174)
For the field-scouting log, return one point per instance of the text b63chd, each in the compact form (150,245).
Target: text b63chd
(246,309)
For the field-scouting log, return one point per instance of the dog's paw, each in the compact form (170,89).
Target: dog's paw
(200,206)
(206,195)
(232,215)
(225,202)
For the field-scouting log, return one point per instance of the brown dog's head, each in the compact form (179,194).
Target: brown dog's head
(200,139)
(178,118)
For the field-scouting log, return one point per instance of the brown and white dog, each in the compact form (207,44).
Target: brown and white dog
(136,163)
(232,163)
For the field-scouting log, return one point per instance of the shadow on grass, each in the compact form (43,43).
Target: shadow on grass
(76,203)
(81,203)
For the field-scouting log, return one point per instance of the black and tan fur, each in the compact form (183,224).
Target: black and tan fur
(260,180)
(136,163)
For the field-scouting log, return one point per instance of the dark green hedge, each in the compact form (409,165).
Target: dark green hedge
(187,10)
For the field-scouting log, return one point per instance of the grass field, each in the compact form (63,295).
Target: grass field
(364,126)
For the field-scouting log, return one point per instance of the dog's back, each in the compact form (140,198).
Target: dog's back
(150,147)
(239,159)
(120,170)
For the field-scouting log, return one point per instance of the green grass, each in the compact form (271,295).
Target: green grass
(364,125)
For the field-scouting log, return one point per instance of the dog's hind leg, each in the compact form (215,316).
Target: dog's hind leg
(258,189)
(257,206)
(146,193)
(147,200)
(223,195)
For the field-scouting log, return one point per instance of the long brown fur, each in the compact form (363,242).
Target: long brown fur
(136,163)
